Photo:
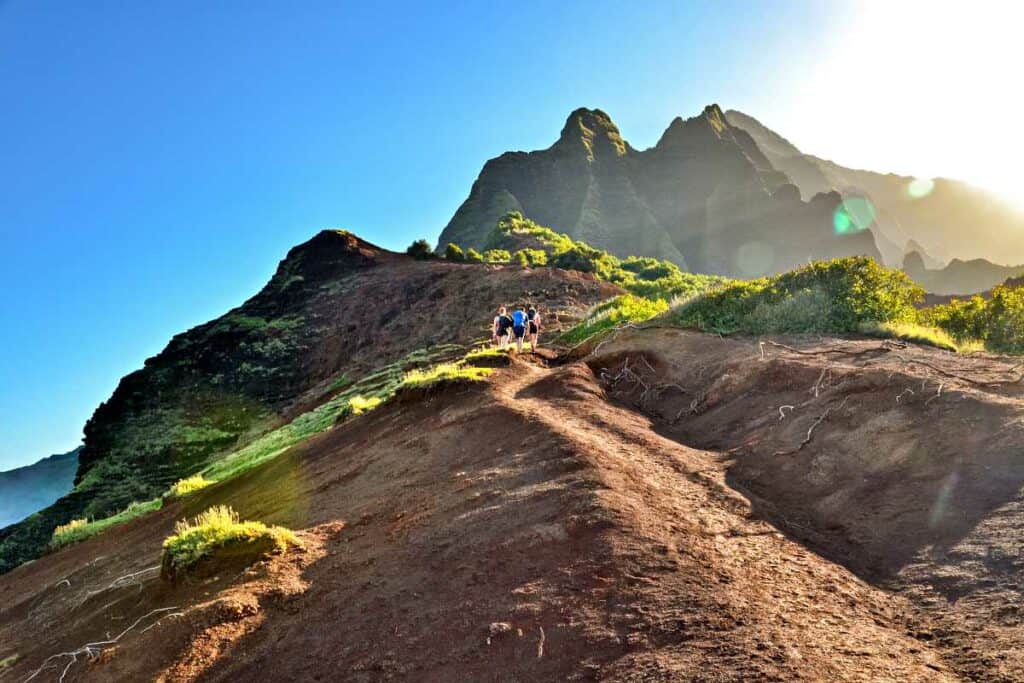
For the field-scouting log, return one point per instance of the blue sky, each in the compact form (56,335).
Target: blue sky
(160,158)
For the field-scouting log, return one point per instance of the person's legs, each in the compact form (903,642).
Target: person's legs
(520,332)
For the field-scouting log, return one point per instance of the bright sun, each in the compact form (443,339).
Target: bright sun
(923,88)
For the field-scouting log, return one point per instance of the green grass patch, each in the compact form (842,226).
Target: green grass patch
(184,487)
(80,529)
(216,528)
(358,398)
(444,372)
(8,662)
(627,308)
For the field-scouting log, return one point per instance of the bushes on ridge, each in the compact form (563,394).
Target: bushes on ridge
(828,296)
(420,249)
(453,252)
(997,322)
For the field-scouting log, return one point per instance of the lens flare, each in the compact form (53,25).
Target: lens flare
(920,187)
(853,215)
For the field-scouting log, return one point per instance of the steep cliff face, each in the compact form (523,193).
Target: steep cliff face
(705,196)
(336,307)
(948,218)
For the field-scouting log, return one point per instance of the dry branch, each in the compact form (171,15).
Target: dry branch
(810,431)
(92,649)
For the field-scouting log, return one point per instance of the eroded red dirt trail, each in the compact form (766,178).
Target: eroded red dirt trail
(527,529)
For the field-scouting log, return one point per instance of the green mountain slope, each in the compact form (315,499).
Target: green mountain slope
(704,197)
(336,310)
(27,489)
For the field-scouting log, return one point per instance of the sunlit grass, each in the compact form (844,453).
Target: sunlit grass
(215,528)
(920,334)
(80,529)
(189,485)
(627,308)
(444,372)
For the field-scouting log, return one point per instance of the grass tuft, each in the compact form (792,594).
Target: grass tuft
(7,662)
(187,486)
(444,372)
(627,308)
(218,527)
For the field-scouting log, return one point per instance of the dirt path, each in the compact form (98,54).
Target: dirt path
(705,587)
(526,529)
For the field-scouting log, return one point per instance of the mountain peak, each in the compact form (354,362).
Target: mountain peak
(594,131)
(710,122)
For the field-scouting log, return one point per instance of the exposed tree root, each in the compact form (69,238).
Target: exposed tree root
(92,649)
(810,431)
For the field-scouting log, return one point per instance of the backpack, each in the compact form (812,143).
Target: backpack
(531,314)
(518,318)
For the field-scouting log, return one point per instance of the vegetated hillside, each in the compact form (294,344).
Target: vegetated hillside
(958,277)
(954,219)
(640,514)
(26,489)
(705,197)
(336,309)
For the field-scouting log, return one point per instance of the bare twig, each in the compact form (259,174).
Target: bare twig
(810,431)
(92,649)
(903,393)
(937,394)
(782,411)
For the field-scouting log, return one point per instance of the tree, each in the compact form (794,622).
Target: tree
(473,256)
(420,249)
(453,252)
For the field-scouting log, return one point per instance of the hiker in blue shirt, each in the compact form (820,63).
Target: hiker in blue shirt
(519,327)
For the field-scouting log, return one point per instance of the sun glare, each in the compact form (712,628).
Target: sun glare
(923,88)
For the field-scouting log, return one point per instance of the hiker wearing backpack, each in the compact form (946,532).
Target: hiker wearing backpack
(533,326)
(519,328)
(502,327)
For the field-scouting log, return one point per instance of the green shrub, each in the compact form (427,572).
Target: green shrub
(840,295)
(473,256)
(453,252)
(998,322)
(217,527)
(497,256)
(641,275)
(80,529)
(613,313)
(420,249)
(184,487)
(7,662)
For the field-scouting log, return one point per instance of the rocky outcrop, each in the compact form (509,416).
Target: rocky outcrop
(705,196)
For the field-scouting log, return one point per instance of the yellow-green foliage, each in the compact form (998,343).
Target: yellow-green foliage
(997,322)
(215,528)
(184,487)
(484,353)
(824,296)
(912,332)
(444,372)
(80,529)
(360,405)
(644,276)
(618,311)
(9,661)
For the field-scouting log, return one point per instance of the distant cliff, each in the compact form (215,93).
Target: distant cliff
(944,219)
(28,489)
(705,196)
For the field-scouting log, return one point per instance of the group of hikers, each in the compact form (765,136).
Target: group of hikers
(520,324)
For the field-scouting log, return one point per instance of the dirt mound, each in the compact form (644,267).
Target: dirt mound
(528,529)
(899,462)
